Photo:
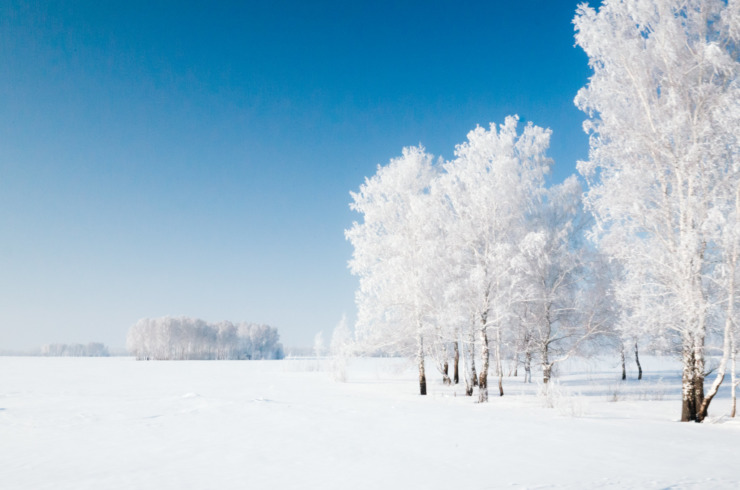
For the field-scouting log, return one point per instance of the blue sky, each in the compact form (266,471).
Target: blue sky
(181,158)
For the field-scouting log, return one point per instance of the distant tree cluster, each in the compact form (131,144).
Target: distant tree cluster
(92,349)
(182,338)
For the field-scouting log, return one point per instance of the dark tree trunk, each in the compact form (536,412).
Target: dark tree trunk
(528,367)
(693,382)
(637,360)
(456,365)
(482,387)
(624,366)
(422,373)
(546,373)
(446,374)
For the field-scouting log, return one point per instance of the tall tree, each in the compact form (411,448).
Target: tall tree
(490,187)
(393,257)
(664,107)
(556,279)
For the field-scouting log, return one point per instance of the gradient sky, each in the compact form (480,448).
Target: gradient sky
(186,158)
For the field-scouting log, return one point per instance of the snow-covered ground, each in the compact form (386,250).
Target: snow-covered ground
(109,423)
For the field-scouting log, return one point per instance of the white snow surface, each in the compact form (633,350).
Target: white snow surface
(113,423)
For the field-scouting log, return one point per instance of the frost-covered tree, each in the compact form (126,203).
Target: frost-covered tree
(393,255)
(491,187)
(556,279)
(92,349)
(341,349)
(664,164)
(318,345)
(178,338)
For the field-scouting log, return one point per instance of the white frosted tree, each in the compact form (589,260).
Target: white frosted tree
(491,187)
(556,280)
(318,345)
(664,107)
(170,338)
(341,349)
(393,257)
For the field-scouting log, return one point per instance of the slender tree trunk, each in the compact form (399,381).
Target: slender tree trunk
(727,345)
(446,374)
(456,365)
(498,363)
(546,365)
(469,367)
(733,388)
(637,360)
(422,373)
(528,366)
(515,362)
(699,379)
(484,359)
(472,359)
(688,410)
(624,367)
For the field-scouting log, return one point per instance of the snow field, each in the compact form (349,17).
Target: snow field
(117,423)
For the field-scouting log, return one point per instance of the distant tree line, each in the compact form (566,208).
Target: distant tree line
(182,338)
(92,349)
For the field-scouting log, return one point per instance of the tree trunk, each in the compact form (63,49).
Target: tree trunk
(546,366)
(699,379)
(637,360)
(528,366)
(498,363)
(468,354)
(624,367)
(688,410)
(733,388)
(422,374)
(727,348)
(692,391)
(456,371)
(484,359)
(472,359)
(546,372)
(446,374)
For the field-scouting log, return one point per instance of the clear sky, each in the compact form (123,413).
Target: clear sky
(195,158)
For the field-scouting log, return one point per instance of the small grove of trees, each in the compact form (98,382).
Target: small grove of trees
(477,254)
(182,338)
(92,349)
(476,258)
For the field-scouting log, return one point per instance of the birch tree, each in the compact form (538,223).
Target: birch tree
(555,280)
(491,186)
(664,120)
(393,257)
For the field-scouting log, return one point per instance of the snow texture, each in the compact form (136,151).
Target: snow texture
(117,423)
